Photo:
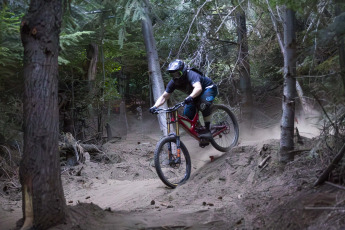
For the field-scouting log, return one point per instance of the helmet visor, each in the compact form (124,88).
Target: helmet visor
(176,74)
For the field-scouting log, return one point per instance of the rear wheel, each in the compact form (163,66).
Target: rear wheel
(172,170)
(224,128)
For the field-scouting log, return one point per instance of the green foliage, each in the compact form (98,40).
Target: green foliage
(127,13)
(11,83)
(110,89)
(69,43)
(11,119)
(73,39)
(298,6)
(304,67)
(202,34)
(11,51)
(328,66)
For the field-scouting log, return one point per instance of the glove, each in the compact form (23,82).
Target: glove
(153,110)
(188,100)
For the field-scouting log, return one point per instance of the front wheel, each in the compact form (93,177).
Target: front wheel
(171,169)
(224,128)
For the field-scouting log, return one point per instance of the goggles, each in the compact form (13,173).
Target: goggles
(176,75)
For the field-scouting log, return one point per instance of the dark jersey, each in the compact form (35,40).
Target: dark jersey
(185,83)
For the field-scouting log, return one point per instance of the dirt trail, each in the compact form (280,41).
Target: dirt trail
(229,193)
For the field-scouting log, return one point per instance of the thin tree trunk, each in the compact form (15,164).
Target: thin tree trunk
(101,104)
(340,41)
(68,111)
(288,116)
(341,48)
(153,62)
(244,68)
(43,199)
(92,56)
(304,103)
(123,119)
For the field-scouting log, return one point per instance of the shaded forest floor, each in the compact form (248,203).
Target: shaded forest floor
(231,192)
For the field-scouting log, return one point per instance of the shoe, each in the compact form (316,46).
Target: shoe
(206,135)
(203,143)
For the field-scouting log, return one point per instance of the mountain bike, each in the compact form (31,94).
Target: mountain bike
(171,157)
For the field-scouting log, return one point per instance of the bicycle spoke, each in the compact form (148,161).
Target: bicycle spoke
(172,170)
(224,128)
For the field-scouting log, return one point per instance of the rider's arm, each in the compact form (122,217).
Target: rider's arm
(197,90)
(162,99)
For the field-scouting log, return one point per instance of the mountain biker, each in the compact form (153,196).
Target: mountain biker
(201,89)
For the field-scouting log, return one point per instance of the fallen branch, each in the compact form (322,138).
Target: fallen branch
(263,167)
(69,139)
(86,147)
(262,163)
(80,150)
(335,185)
(90,148)
(324,208)
(9,153)
(299,151)
(6,173)
(65,170)
(329,169)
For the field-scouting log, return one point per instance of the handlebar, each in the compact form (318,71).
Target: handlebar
(171,109)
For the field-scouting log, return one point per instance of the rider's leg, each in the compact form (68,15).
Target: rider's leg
(207,121)
(189,111)
(206,100)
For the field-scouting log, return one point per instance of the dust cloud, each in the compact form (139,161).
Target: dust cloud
(308,126)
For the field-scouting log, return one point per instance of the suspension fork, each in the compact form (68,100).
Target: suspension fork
(178,141)
(173,118)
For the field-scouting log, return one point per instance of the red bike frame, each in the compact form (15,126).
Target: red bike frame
(171,118)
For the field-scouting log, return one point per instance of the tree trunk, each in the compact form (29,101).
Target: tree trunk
(341,48)
(305,106)
(92,56)
(123,124)
(153,63)
(288,116)
(340,42)
(43,198)
(244,68)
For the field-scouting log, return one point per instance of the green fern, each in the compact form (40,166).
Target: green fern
(11,51)
(73,39)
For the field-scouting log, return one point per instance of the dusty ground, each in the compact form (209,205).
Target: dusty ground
(231,192)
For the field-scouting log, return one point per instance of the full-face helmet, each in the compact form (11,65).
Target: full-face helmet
(177,69)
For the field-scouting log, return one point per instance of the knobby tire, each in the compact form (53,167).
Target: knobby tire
(160,161)
(230,137)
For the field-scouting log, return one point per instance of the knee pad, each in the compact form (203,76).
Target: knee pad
(205,108)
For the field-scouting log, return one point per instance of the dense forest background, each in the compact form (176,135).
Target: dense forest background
(106,66)
(103,60)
